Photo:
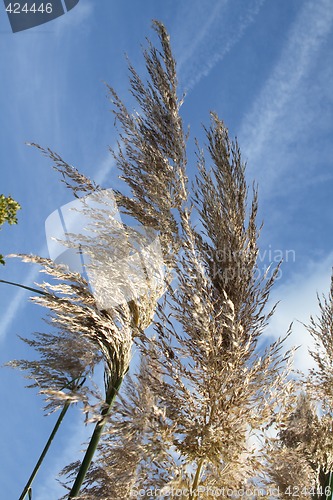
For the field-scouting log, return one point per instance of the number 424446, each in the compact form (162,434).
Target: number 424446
(41,7)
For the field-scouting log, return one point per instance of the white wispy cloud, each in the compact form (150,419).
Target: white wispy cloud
(298,301)
(282,111)
(205,33)
(104,169)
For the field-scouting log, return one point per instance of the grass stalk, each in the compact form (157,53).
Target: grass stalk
(27,488)
(78,382)
(25,287)
(196,479)
(109,400)
(329,494)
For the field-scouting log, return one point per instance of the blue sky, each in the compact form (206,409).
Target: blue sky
(264,66)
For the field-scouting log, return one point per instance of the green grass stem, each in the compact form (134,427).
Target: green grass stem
(109,400)
(27,488)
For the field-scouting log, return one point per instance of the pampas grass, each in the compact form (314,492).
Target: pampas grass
(204,389)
